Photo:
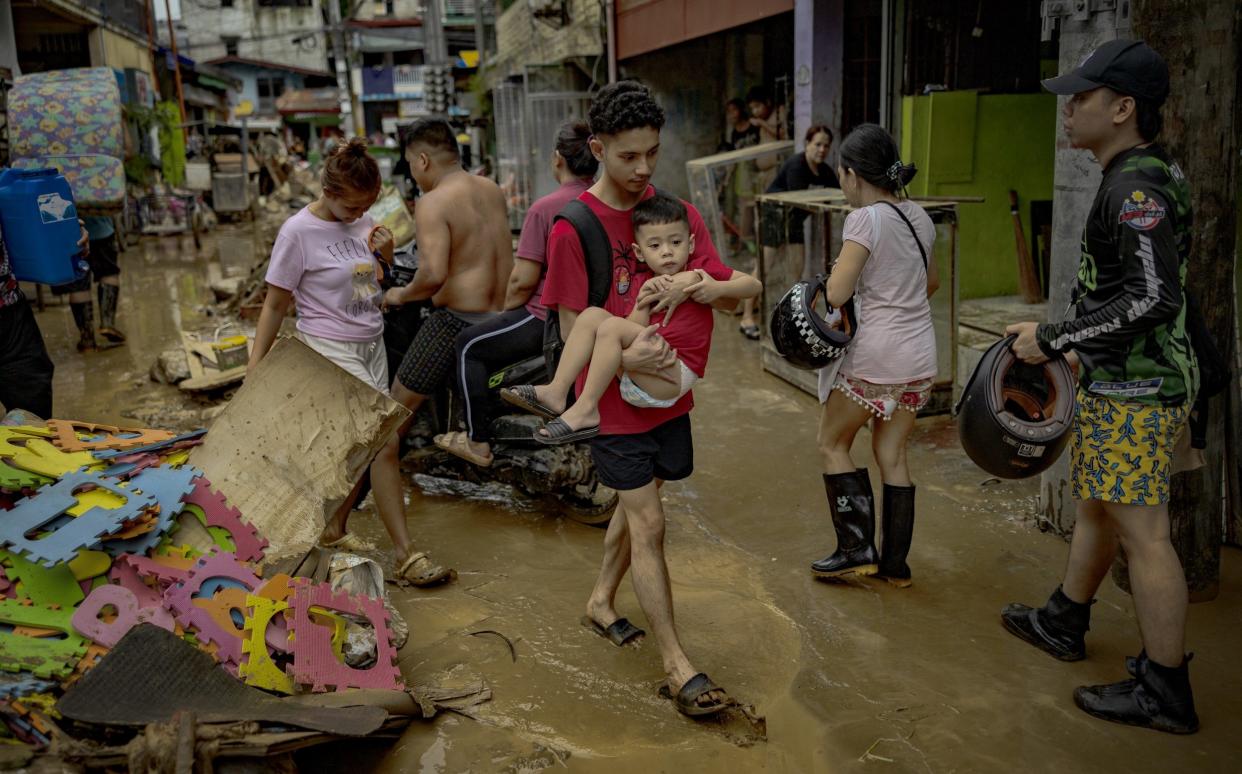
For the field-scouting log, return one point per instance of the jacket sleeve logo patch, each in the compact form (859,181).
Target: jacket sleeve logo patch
(1140,212)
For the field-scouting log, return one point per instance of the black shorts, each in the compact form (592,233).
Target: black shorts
(633,461)
(430,358)
(103,261)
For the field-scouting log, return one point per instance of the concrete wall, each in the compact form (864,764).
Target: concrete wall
(249,76)
(205,28)
(523,40)
(983,145)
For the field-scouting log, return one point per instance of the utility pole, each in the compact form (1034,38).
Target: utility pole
(172,41)
(344,82)
(480,32)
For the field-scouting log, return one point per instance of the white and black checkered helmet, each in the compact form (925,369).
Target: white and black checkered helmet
(801,335)
(1013,418)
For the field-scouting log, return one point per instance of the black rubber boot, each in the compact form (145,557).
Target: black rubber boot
(1059,628)
(84,318)
(853,516)
(1156,697)
(108,295)
(898,521)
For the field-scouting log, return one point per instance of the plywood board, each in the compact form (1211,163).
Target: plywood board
(292,442)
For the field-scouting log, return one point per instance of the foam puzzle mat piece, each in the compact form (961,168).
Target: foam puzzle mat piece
(220,618)
(45,658)
(257,667)
(53,501)
(73,436)
(43,585)
(180,599)
(39,456)
(124,574)
(15,479)
(89,564)
(167,485)
(248,544)
(14,686)
(314,662)
(195,435)
(108,633)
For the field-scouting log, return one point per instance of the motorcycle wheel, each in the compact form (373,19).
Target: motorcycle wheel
(593,508)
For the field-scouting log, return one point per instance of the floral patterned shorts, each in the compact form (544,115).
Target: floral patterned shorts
(883,399)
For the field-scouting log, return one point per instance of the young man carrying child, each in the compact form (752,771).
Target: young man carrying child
(637,449)
(664,243)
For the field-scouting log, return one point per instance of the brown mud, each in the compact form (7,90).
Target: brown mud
(855,676)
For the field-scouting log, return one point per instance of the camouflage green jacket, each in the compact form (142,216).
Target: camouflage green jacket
(1129,323)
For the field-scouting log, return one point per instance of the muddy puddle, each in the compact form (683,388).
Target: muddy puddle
(847,677)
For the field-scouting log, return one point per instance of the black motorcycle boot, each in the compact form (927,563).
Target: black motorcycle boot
(1059,628)
(898,523)
(108,295)
(84,318)
(853,517)
(1156,697)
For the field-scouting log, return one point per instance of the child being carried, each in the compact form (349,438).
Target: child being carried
(664,245)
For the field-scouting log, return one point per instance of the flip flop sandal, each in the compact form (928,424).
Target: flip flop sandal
(350,543)
(523,396)
(558,432)
(686,700)
(457,445)
(620,632)
(436,575)
(749,331)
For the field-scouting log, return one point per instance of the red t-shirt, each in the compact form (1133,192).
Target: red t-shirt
(689,332)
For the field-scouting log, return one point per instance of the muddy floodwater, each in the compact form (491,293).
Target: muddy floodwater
(849,677)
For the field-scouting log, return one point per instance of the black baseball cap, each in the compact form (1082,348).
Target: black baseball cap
(1127,67)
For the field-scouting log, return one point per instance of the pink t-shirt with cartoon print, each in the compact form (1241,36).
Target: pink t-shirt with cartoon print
(331,273)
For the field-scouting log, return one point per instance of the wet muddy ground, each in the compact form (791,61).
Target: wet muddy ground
(848,677)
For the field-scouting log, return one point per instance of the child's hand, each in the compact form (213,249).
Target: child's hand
(394,297)
(707,290)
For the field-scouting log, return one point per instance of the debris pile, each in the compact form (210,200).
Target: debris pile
(94,522)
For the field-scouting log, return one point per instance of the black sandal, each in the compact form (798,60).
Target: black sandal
(523,396)
(620,632)
(558,432)
(686,700)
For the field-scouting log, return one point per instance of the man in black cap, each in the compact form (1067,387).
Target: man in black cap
(1137,380)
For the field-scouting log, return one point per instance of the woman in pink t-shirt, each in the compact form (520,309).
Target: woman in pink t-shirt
(324,258)
(886,265)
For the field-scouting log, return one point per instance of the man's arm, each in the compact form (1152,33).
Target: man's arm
(522,282)
(1151,289)
(434,245)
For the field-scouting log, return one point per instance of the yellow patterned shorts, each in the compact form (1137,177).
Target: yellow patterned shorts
(1122,451)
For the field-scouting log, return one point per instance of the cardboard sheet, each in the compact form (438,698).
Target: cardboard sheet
(292,442)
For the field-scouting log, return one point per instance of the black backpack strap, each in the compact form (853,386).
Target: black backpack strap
(913,233)
(595,249)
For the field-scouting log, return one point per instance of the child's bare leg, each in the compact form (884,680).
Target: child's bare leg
(574,358)
(612,336)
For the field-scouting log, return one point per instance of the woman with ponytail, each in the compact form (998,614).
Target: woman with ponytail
(325,258)
(886,266)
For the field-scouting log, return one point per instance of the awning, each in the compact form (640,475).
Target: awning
(375,41)
(196,95)
(326,100)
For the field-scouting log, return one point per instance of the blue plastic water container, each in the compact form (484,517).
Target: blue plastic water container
(40,225)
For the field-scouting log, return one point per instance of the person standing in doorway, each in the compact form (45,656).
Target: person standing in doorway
(768,123)
(1137,379)
(801,171)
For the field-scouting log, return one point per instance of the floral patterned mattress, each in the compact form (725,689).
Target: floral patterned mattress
(71,120)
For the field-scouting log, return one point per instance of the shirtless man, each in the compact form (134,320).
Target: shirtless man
(465,254)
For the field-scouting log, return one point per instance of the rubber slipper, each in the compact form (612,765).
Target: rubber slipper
(350,543)
(686,700)
(436,574)
(458,445)
(558,432)
(620,632)
(523,396)
(749,331)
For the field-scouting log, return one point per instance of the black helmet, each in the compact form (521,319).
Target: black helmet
(1014,418)
(803,337)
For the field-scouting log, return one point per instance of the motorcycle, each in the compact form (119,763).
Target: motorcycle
(562,476)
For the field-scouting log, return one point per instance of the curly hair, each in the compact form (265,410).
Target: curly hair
(624,105)
(349,168)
